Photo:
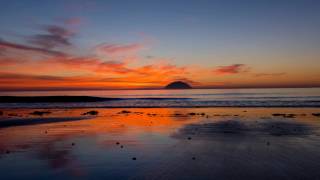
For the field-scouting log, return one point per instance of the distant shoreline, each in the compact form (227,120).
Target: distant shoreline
(65,99)
(155,89)
(48,99)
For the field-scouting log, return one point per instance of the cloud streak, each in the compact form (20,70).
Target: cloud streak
(269,74)
(119,49)
(231,69)
(56,36)
(9,45)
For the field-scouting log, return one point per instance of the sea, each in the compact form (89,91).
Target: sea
(262,97)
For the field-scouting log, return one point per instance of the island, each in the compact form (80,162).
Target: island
(178,85)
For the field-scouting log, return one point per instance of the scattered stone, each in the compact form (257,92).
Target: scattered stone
(1,113)
(117,143)
(277,114)
(284,115)
(244,111)
(121,146)
(46,132)
(8,152)
(268,143)
(134,158)
(207,116)
(192,114)
(124,112)
(177,114)
(40,113)
(189,138)
(193,158)
(316,114)
(93,113)
(72,144)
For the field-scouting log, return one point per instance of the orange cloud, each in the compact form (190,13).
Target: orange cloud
(232,69)
(118,49)
(269,74)
(10,61)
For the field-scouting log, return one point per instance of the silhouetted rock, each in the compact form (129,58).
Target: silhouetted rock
(178,85)
(316,114)
(91,113)
(284,115)
(40,113)
(124,112)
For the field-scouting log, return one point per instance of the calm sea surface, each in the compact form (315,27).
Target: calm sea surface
(286,97)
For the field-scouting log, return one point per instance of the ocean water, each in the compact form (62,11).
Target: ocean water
(284,97)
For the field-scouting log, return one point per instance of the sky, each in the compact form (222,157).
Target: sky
(146,44)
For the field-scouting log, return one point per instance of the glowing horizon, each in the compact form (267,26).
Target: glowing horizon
(143,45)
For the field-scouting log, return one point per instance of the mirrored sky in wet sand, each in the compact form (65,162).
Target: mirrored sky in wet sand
(175,143)
(82,44)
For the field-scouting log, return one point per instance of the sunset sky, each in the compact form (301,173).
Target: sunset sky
(114,44)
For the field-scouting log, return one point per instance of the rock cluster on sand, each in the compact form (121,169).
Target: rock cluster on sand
(91,113)
(284,115)
(40,113)
(316,114)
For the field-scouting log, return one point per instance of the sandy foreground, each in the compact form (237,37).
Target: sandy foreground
(160,143)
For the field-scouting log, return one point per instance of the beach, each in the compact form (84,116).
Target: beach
(160,143)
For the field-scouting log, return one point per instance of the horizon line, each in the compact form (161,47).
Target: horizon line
(162,88)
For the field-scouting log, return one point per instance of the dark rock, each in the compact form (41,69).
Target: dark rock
(117,143)
(72,144)
(134,158)
(91,113)
(1,113)
(124,112)
(193,158)
(178,85)
(40,113)
(316,114)
(192,114)
(268,143)
(284,115)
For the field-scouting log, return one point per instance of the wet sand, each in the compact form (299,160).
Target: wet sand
(160,143)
